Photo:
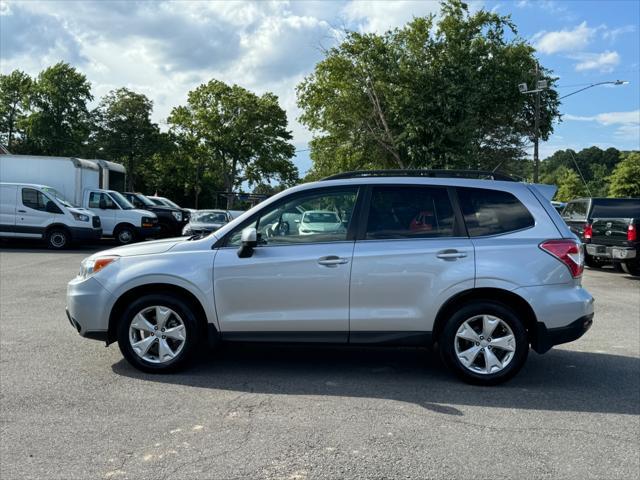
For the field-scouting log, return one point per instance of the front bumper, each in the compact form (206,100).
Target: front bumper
(85,234)
(545,338)
(88,307)
(145,232)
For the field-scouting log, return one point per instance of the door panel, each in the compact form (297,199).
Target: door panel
(399,285)
(31,216)
(7,210)
(107,215)
(285,288)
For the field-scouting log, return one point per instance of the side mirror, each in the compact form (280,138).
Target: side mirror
(249,241)
(51,207)
(103,204)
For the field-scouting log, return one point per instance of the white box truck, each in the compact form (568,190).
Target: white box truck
(82,183)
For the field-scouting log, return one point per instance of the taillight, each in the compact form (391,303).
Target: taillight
(632,233)
(587,233)
(568,252)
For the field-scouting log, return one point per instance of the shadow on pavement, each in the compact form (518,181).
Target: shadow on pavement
(561,380)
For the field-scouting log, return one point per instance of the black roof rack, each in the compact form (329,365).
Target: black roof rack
(477,174)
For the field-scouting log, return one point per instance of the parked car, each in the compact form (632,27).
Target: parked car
(203,222)
(83,183)
(41,212)
(315,222)
(170,220)
(580,214)
(612,235)
(497,271)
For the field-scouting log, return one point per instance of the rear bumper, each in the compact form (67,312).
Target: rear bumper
(611,252)
(545,338)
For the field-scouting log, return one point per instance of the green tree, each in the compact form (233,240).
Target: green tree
(570,186)
(123,132)
(429,94)
(14,95)
(625,179)
(232,131)
(59,120)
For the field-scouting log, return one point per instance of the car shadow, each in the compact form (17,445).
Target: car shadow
(561,380)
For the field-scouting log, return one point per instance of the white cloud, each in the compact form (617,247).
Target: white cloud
(627,123)
(604,62)
(614,33)
(380,16)
(564,40)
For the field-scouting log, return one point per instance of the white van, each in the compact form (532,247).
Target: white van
(40,212)
(86,183)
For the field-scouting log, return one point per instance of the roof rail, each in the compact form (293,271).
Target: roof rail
(477,174)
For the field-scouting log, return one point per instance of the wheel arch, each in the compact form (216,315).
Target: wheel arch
(158,288)
(58,226)
(506,297)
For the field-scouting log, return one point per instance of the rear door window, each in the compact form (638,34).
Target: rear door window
(410,212)
(492,212)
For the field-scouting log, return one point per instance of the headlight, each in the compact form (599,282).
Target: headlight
(149,221)
(91,266)
(177,216)
(81,217)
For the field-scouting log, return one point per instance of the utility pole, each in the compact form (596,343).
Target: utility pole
(536,129)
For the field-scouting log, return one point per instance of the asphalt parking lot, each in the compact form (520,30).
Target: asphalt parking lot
(71,408)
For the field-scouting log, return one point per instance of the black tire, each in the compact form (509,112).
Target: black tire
(124,234)
(631,268)
(192,336)
(617,266)
(447,342)
(592,262)
(58,238)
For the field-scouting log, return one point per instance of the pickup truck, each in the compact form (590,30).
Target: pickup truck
(170,220)
(609,229)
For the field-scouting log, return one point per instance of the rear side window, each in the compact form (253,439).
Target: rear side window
(410,212)
(34,199)
(492,212)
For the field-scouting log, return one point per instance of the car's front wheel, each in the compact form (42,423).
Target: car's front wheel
(484,343)
(158,333)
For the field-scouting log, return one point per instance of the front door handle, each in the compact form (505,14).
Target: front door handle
(22,211)
(450,254)
(332,261)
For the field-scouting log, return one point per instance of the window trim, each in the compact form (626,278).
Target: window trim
(351,231)
(459,227)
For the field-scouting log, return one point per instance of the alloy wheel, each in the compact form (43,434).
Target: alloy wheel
(485,344)
(157,334)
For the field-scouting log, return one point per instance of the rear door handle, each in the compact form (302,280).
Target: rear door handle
(332,261)
(450,254)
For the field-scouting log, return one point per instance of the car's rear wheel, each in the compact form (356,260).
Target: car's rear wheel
(632,268)
(484,343)
(158,333)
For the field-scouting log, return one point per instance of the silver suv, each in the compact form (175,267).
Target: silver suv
(482,268)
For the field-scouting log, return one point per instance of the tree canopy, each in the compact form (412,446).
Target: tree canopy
(237,133)
(625,179)
(428,95)
(15,89)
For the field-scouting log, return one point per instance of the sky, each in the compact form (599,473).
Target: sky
(165,49)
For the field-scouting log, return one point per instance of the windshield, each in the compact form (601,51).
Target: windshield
(120,200)
(58,196)
(169,202)
(145,200)
(209,217)
(320,217)
(156,201)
